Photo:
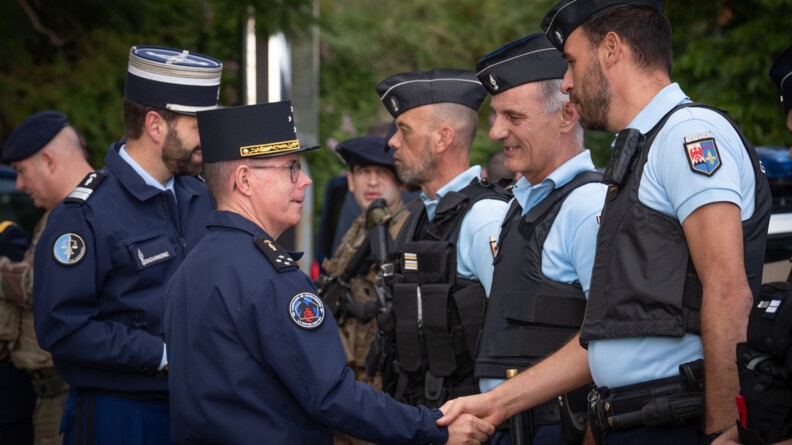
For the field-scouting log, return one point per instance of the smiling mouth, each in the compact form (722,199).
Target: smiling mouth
(509,148)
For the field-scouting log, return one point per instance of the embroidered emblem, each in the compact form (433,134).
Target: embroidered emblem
(493,82)
(410,261)
(394,104)
(86,187)
(493,246)
(307,310)
(703,156)
(69,249)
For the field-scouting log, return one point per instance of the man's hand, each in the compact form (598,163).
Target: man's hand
(469,430)
(482,406)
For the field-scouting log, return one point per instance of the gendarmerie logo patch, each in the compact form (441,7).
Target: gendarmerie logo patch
(394,104)
(307,310)
(493,82)
(702,153)
(69,249)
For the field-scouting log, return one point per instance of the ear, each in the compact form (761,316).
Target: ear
(242,180)
(350,183)
(612,48)
(569,117)
(155,127)
(46,159)
(443,137)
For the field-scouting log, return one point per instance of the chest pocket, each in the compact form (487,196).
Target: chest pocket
(149,250)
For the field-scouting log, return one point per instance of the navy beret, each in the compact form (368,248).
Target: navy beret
(567,15)
(250,131)
(781,73)
(13,241)
(32,135)
(529,59)
(172,79)
(366,150)
(404,91)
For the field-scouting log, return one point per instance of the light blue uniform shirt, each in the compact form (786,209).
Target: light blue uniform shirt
(480,225)
(671,187)
(568,251)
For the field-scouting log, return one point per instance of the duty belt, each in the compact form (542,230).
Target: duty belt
(662,402)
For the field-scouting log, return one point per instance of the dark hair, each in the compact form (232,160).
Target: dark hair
(135,117)
(645,29)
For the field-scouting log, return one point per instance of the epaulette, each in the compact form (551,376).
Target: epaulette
(86,187)
(277,255)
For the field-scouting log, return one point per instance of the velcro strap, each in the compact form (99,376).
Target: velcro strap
(533,308)
(528,341)
(471,302)
(405,309)
(427,262)
(439,348)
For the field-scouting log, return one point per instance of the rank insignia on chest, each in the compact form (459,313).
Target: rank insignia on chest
(69,249)
(307,310)
(410,261)
(277,255)
(702,153)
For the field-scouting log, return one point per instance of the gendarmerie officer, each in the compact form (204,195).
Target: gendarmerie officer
(255,356)
(546,245)
(110,247)
(443,254)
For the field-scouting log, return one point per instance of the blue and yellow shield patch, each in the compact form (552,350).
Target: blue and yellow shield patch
(703,156)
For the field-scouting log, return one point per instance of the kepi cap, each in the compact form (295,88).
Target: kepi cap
(250,131)
(173,79)
(366,150)
(567,15)
(530,59)
(32,135)
(405,91)
(781,73)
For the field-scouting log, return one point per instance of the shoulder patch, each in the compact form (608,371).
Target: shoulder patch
(702,154)
(277,255)
(86,187)
(68,249)
(307,310)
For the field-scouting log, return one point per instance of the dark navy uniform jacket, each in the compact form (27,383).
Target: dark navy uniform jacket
(243,369)
(102,264)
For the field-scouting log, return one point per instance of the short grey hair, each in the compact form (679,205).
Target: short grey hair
(554,100)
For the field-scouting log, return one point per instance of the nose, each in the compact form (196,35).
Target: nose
(567,84)
(20,183)
(304,180)
(497,130)
(395,141)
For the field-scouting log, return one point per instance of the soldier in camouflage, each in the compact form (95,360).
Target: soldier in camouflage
(50,159)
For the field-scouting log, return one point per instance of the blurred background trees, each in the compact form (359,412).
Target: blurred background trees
(71,55)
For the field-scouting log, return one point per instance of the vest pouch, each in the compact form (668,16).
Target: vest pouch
(471,301)
(435,299)
(526,308)
(405,310)
(429,262)
(770,321)
(766,388)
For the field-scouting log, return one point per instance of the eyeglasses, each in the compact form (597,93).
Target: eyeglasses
(294,169)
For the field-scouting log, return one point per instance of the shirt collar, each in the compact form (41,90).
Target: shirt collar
(456,184)
(528,195)
(147,178)
(669,97)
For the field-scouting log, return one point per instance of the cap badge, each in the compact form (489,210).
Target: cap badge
(394,104)
(494,82)
(559,37)
(307,310)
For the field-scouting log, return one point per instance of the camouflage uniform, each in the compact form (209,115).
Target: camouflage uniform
(356,335)
(18,338)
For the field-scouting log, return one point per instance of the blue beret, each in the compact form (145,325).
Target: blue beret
(781,73)
(404,91)
(172,79)
(529,59)
(366,150)
(32,135)
(250,131)
(13,241)
(567,15)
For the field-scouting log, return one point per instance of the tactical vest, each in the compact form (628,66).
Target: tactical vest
(529,316)
(437,315)
(643,282)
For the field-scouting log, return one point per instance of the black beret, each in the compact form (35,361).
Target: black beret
(567,15)
(365,150)
(250,131)
(404,91)
(781,73)
(13,241)
(172,79)
(32,135)
(529,59)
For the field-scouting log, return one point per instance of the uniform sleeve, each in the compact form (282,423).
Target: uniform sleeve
(312,365)
(479,230)
(70,272)
(675,186)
